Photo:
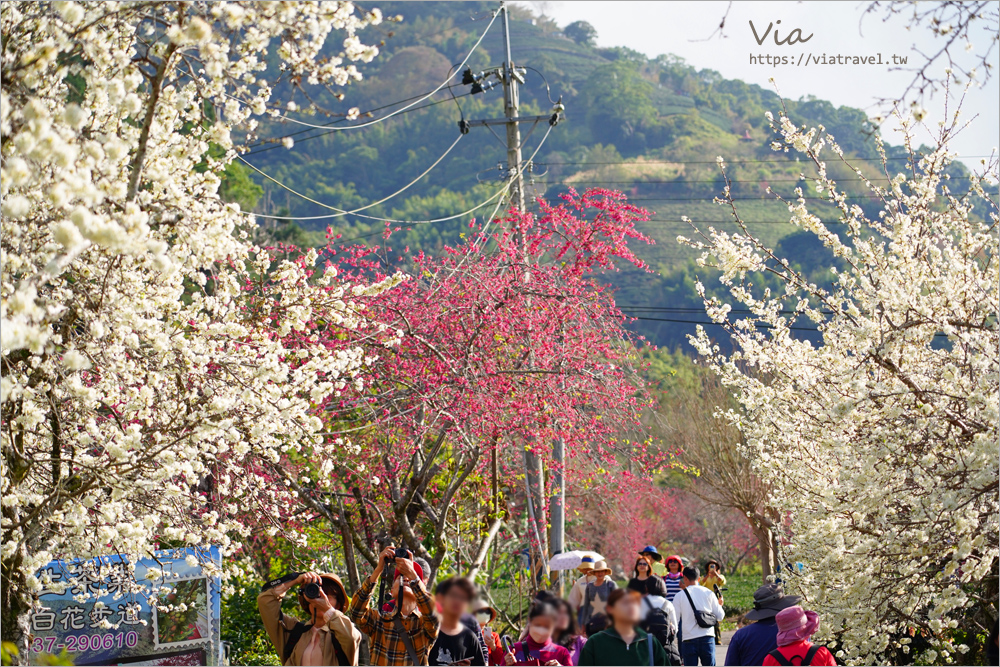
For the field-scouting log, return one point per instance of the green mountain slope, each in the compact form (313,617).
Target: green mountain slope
(649,127)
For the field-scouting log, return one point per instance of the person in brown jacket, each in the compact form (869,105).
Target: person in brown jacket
(329,638)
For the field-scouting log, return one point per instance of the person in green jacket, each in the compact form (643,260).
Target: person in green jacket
(624,642)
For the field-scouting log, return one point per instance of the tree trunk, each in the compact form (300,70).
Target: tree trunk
(765,545)
(484,548)
(16,607)
(537,529)
(350,560)
(557,508)
(535,488)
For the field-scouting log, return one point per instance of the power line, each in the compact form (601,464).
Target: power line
(341,212)
(761,198)
(323,134)
(674,309)
(407,109)
(755,324)
(735,180)
(721,222)
(398,111)
(718,324)
(755,161)
(277,140)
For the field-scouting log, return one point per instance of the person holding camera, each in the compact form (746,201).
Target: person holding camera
(329,638)
(403,630)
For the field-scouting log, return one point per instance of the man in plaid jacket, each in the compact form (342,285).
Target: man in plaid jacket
(386,627)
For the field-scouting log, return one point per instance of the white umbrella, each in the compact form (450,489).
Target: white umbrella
(570,560)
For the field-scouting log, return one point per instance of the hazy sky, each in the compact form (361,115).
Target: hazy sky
(681,28)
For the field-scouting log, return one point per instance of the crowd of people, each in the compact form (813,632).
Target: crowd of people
(657,619)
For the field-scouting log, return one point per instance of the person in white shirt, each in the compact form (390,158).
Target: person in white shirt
(576,593)
(697,643)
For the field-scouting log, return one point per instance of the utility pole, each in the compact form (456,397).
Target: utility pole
(510,105)
(510,77)
(535,483)
(534,478)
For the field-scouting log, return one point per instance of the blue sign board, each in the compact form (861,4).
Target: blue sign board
(163,610)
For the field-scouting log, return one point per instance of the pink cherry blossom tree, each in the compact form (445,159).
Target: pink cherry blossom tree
(504,342)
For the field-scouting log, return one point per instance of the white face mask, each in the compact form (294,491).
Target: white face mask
(540,634)
(483,617)
(591,578)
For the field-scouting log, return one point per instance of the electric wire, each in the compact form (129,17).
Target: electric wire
(735,180)
(361,215)
(369,112)
(548,91)
(275,141)
(342,212)
(718,324)
(398,111)
(757,325)
(754,161)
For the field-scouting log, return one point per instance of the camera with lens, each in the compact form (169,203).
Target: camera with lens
(311,591)
(402,552)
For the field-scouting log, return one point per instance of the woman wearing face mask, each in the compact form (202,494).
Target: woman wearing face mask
(538,648)
(567,634)
(485,615)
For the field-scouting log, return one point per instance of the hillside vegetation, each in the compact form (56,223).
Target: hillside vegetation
(649,127)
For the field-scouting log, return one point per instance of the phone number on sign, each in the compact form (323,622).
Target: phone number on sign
(77,643)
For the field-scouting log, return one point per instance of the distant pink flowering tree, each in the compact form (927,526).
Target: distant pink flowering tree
(506,341)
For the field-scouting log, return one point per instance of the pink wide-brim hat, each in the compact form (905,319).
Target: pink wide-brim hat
(795,624)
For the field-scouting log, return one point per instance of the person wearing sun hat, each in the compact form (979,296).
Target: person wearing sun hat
(486,615)
(795,626)
(651,554)
(575,597)
(329,638)
(751,643)
(596,594)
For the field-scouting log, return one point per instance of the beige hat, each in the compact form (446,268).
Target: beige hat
(601,566)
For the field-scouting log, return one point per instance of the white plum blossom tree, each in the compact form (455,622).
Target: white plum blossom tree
(880,443)
(143,370)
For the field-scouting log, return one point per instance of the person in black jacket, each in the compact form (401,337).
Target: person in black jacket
(457,643)
(468,619)
(644,581)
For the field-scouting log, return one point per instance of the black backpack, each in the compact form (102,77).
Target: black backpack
(805,660)
(656,623)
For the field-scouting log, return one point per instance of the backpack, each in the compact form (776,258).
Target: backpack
(805,660)
(657,623)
